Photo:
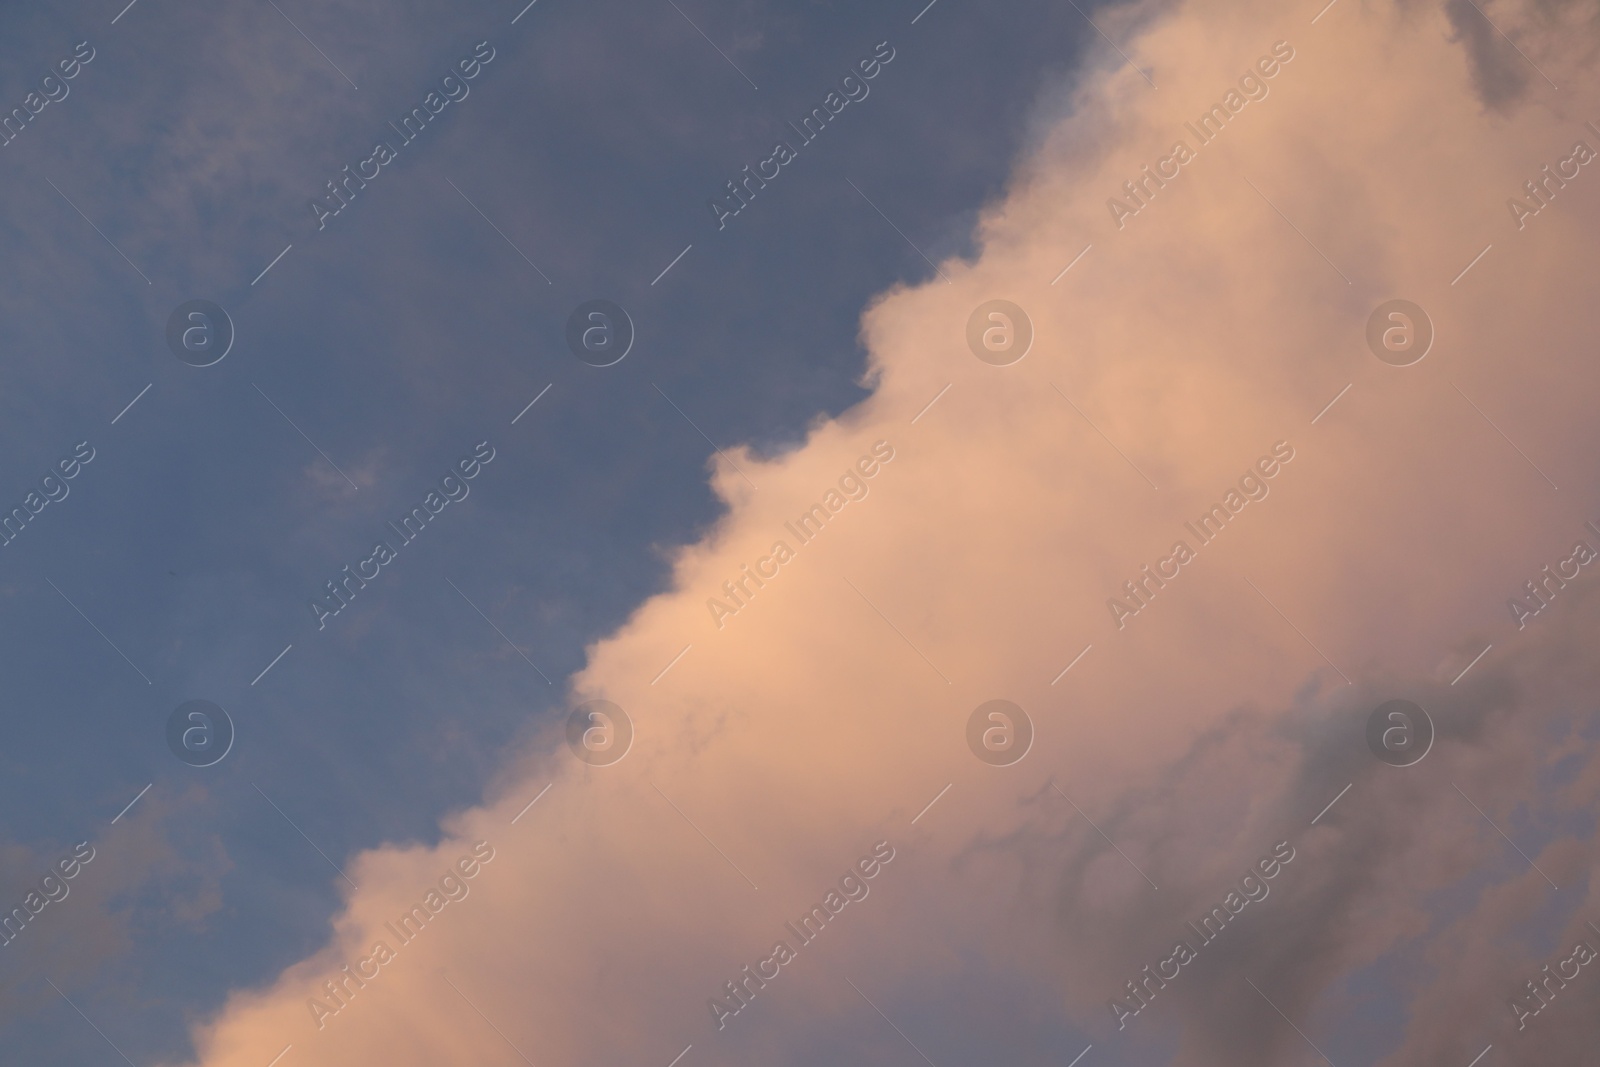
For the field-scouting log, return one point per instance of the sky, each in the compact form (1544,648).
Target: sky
(1090,563)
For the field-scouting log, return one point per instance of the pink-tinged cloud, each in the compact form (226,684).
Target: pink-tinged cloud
(1206,356)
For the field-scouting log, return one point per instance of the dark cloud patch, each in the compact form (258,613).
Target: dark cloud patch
(1499,74)
(1403,881)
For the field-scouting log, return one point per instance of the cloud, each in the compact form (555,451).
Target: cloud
(79,928)
(1201,332)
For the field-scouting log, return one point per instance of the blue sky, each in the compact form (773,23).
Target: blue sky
(396,339)
(416,344)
